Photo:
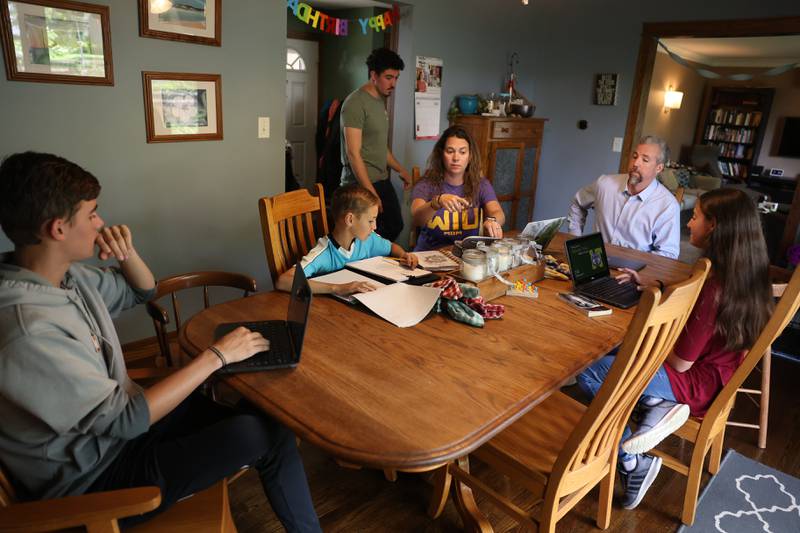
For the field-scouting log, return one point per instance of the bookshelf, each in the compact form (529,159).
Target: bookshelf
(734,119)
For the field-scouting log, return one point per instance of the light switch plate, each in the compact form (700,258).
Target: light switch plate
(616,146)
(263,127)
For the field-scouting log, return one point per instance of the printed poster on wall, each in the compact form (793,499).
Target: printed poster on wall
(427,97)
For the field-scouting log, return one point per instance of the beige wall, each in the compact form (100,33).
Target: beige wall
(678,126)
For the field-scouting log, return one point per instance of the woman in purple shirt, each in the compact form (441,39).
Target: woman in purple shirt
(446,201)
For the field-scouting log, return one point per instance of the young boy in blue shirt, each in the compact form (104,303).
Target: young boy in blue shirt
(354,210)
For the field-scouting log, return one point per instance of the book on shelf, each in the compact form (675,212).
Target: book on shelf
(586,305)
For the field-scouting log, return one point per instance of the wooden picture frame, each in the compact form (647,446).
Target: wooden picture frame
(183,21)
(82,33)
(182,107)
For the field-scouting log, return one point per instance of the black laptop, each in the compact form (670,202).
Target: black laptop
(588,266)
(285,336)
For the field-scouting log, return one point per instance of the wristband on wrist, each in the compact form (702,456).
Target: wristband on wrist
(218,354)
(493,219)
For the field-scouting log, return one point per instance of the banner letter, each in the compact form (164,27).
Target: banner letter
(363,23)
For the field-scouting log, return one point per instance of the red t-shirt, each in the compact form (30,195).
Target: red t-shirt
(713,365)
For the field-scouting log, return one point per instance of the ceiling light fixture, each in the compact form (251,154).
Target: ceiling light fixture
(672,99)
(160,6)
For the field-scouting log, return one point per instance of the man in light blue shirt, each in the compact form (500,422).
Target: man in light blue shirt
(633,210)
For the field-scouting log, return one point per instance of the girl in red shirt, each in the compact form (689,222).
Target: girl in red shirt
(731,310)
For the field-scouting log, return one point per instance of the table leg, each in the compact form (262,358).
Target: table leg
(441,489)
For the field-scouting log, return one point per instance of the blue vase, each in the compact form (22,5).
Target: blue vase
(468,105)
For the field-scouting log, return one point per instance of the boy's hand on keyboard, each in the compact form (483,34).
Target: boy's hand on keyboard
(629,275)
(240,344)
(354,287)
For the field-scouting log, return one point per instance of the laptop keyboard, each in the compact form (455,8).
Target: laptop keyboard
(279,355)
(610,290)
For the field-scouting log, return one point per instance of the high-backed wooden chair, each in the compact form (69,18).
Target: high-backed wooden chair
(170,286)
(99,512)
(561,449)
(289,227)
(709,432)
(779,277)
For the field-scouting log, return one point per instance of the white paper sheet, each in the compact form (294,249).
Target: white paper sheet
(346,276)
(401,304)
(387,268)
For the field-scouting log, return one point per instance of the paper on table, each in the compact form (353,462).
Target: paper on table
(435,260)
(401,304)
(346,276)
(387,268)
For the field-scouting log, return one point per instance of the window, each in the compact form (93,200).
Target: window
(294,61)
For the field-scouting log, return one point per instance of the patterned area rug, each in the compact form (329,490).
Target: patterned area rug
(746,496)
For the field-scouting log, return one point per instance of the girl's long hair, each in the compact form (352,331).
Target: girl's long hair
(434,172)
(738,254)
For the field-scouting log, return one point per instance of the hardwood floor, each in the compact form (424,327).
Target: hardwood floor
(362,500)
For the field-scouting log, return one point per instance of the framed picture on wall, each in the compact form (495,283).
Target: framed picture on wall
(56,41)
(182,107)
(605,88)
(191,21)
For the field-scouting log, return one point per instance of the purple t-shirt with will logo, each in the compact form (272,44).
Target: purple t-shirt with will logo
(444,227)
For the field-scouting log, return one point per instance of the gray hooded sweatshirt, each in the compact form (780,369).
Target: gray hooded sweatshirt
(67,405)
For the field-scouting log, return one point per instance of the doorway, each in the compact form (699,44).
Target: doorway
(302,78)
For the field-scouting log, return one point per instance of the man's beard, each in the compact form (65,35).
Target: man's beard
(634,179)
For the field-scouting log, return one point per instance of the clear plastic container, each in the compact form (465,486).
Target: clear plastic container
(504,257)
(492,261)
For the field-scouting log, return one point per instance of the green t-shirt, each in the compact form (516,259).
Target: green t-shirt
(363,111)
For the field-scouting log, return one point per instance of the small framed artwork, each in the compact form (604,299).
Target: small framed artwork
(190,21)
(182,107)
(605,88)
(56,41)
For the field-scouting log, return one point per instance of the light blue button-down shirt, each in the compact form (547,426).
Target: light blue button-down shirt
(648,221)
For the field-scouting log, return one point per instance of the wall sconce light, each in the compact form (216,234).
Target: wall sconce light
(160,6)
(524,2)
(672,99)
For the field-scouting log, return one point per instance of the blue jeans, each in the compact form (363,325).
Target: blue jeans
(592,378)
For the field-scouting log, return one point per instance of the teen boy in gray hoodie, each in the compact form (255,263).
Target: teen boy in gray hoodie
(72,420)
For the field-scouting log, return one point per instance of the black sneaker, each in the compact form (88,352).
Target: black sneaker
(637,481)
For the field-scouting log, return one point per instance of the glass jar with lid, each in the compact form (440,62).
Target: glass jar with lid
(492,261)
(473,265)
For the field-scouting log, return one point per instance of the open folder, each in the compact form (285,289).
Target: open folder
(399,303)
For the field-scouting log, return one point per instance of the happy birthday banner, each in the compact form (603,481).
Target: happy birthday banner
(340,27)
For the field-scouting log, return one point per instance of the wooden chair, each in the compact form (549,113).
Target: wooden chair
(562,449)
(779,277)
(709,432)
(412,233)
(170,286)
(287,222)
(99,512)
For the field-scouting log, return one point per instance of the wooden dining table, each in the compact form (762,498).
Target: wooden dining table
(415,398)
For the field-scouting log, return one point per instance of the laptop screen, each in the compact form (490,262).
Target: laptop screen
(587,258)
(299,305)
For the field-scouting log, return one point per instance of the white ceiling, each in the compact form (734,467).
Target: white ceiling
(347,4)
(739,51)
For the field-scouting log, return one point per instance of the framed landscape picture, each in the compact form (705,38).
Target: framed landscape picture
(191,21)
(182,107)
(56,41)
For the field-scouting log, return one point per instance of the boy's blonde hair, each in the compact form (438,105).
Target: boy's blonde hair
(351,198)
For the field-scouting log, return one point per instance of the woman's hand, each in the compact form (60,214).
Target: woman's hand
(354,287)
(453,202)
(492,228)
(629,275)
(409,260)
(240,344)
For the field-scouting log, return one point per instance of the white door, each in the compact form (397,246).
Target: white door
(302,71)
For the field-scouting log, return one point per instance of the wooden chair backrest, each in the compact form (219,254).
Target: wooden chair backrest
(7,494)
(653,331)
(785,310)
(289,229)
(172,285)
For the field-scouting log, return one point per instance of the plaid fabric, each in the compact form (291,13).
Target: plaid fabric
(464,303)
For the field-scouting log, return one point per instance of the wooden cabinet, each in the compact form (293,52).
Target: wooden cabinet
(734,119)
(510,150)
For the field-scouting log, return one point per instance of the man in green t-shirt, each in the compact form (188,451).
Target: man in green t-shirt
(365,140)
